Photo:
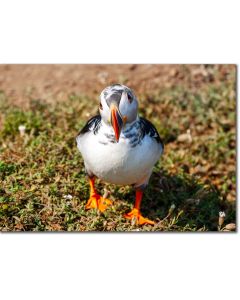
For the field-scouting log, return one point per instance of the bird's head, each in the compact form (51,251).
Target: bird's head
(118,107)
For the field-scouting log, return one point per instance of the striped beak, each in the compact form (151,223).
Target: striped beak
(116,121)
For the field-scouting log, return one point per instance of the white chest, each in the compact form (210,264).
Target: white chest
(119,163)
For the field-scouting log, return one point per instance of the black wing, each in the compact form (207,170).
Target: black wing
(148,128)
(92,125)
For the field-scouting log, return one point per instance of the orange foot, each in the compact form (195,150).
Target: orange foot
(140,220)
(96,201)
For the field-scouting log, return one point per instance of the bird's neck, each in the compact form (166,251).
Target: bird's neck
(128,126)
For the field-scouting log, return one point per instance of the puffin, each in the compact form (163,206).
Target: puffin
(119,147)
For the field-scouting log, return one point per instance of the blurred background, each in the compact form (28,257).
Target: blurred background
(192,106)
(56,82)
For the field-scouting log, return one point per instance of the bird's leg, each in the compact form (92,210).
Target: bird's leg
(135,213)
(95,200)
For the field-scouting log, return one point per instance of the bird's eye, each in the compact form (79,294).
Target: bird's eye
(100,106)
(130,98)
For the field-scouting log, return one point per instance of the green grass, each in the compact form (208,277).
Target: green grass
(38,169)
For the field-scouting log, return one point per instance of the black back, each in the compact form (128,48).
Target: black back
(92,124)
(148,128)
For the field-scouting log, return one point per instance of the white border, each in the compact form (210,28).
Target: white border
(117,266)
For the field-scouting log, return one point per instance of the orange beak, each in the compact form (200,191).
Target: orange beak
(116,121)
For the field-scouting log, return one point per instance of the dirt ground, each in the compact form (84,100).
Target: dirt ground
(55,82)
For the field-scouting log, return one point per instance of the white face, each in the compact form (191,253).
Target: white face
(123,99)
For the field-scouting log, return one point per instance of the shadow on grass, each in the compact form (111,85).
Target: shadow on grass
(197,205)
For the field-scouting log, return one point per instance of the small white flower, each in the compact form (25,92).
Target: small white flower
(69,197)
(22,129)
(197,201)
(222,214)
(171,209)
(221,218)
